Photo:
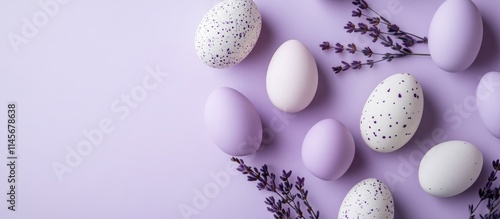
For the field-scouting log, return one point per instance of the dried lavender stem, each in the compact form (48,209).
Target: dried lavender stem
(287,198)
(475,208)
(486,194)
(377,14)
(413,35)
(309,208)
(494,207)
(386,22)
(395,54)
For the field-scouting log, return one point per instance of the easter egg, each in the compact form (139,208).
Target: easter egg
(233,122)
(392,113)
(292,77)
(455,35)
(488,102)
(328,149)
(450,168)
(369,198)
(228,33)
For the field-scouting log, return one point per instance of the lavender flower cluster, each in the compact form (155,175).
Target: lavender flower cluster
(399,46)
(284,191)
(491,195)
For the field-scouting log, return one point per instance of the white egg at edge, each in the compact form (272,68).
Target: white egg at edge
(369,198)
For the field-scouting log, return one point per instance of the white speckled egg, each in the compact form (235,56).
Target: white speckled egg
(232,122)
(392,113)
(450,168)
(488,102)
(292,77)
(369,198)
(455,35)
(328,149)
(228,33)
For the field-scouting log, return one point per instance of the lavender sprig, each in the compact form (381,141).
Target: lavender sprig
(401,52)
(489,194)
(266,180)
(400,45)
(392,28)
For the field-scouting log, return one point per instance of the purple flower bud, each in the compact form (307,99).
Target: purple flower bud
(351,48)
(367,51)
(370,63)
(357,13)
(373,20)
(362,28)
(392,28)
(337,69)
(339,48)
(350,27)
(346,66)
(325,45)
(356,65)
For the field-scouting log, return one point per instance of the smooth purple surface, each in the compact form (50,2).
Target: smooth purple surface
(328,149)
(488,102)
(232,122)
(73,73)
(455,34)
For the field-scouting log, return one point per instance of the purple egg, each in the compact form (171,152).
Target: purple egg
(328,149)
(232,122)
(455,35)
(488,102)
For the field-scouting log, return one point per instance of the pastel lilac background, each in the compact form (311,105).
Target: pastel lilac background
(66,78)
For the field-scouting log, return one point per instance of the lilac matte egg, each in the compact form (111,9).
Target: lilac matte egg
(233,122)
(455,35)
(328,149)
(488,102)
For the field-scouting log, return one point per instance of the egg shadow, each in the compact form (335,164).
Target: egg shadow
(359,161)
(488,53)
(261,48)
(398,210)
(270,138)
(322,93)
